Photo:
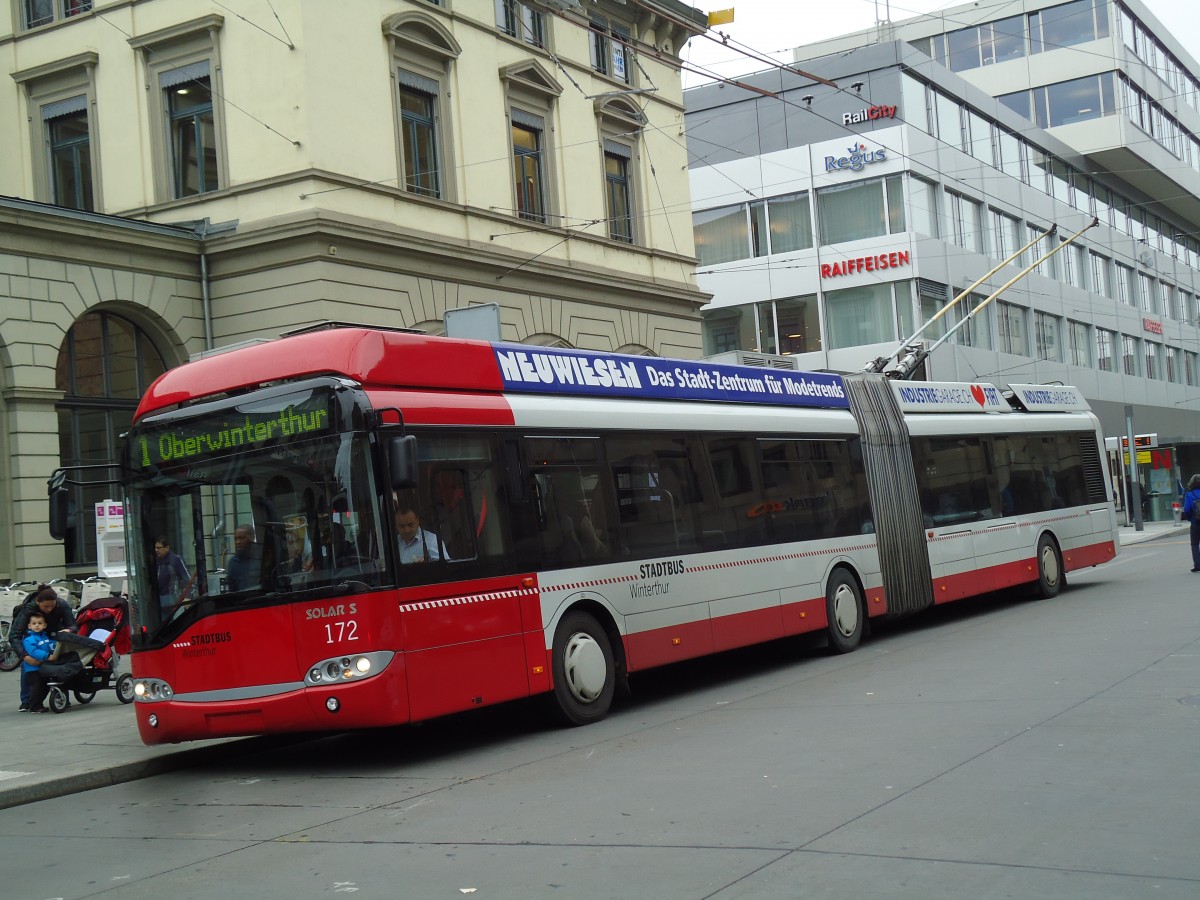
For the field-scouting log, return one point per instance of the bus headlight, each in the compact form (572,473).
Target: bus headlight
(340,669)
(151,690)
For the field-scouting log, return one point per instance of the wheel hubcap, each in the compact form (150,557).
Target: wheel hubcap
(1049,565)
(845,611)
(584,667)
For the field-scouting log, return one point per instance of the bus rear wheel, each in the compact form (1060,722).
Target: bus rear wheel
(844,608)
(584,673)
(1050,568)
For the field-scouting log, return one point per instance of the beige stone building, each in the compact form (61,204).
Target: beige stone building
(180,175)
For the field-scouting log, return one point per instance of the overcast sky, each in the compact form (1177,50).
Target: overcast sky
(773,27)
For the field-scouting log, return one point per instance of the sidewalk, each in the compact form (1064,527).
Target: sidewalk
(97,745)
(1150,531)
(85,747)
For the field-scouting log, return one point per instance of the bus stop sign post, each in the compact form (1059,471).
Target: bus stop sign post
(1135,487)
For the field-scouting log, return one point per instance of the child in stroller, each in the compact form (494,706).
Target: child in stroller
(87,660)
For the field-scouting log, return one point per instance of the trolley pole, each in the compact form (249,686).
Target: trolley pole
(1135,486)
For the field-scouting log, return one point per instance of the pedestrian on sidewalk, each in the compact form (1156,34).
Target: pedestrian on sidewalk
(1191,513)
(59,617)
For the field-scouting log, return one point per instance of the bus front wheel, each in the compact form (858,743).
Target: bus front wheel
(844,607)
(1050,568)
(584,673)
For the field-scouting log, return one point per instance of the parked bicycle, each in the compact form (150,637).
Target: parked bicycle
(12,595)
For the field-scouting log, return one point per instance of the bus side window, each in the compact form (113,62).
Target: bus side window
(658,495)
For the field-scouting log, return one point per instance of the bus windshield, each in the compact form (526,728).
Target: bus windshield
(286,517)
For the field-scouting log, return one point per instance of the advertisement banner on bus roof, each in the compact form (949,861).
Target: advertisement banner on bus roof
(544,371)
(1050,397)
(938,397)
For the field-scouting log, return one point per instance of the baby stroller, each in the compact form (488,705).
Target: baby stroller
(87,660)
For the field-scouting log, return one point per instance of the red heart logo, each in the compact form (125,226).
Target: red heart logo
(977,393)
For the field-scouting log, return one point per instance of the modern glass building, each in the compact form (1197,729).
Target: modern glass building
(836,211)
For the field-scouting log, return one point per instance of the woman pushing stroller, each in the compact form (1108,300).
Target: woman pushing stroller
(56,616)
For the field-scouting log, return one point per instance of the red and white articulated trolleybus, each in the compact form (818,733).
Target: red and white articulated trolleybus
(381,527)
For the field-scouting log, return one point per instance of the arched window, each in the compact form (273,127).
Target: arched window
(104,366)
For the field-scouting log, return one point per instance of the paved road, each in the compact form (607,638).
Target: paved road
(1004,749)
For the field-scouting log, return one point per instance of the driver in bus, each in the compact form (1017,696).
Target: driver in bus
(416,544)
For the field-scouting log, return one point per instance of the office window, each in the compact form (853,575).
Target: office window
(860,315)
(721,235)
(1105,344)
(1129,354)
(1174,369)
(1039,170)
(932,296)
(418,126)
(966,221)
(949,120)
(987,44)
(1060,181)
(1078,100)
(1079,265)
(191,129)
(1048,265)
(1006,235)
(923,206)
(1010,323)
(917,104)
(618,194)
(36,13)
(1080,344)
(1067,25)
(1126,284)
(789,223)
(1012,155)
(1187,306)
(610,48)
(1120,213)
(1153,359)
(69,139)
(976,330)
(1191,371)
(980,138)
(1102,203)
(1046,337)
(799,324)
(861,209)
(1166,299)
(521,22)
(1102,282)
(1146,297)
(528,165)
(1019,102)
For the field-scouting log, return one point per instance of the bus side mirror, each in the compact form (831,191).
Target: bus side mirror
(402,460)
(59,523)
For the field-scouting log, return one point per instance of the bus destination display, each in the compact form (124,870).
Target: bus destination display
(187,441)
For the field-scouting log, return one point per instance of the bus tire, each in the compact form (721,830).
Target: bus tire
(584,671)
(1051,576)
(844,608)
